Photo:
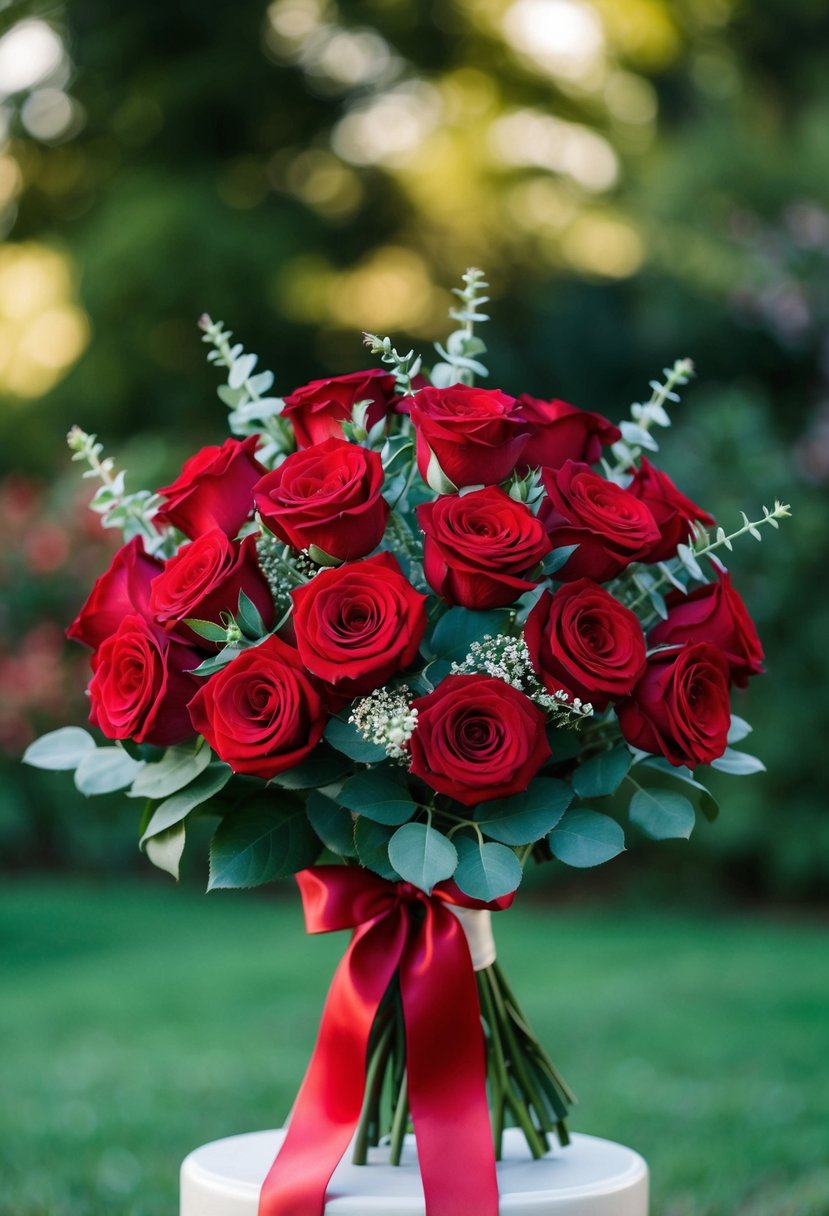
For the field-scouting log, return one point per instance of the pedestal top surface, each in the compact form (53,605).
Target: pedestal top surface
(592,1177)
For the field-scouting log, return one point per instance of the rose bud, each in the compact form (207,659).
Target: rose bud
(480,547)
(261,714)
(204,579)
(611,527)
(477,738)
(328,495)
(717,614)
(213,490)
(123,589)
(141,685)
(476,434)
(673,512)
(583,640)
(561,432)
(681,707)
(318,410)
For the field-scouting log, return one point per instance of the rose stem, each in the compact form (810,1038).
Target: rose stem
(399,1122)
(374,1079)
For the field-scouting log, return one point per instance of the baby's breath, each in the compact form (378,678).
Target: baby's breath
(508,659)
(387,718)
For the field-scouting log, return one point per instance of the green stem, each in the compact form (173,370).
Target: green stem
(374,1081)
(399,1122)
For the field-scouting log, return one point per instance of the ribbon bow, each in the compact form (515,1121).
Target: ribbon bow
(396,926)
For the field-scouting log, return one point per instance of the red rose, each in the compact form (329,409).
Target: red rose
(480,546)
(477,434)
(716,614)
(214,489)
(562,432)
(318,410)
(141,684)
(261,714)
(583,640)
(610,526)
(124,588)
(328,495)
(357,625)
(477,738)
(680,708)
(204,579)
(673,512)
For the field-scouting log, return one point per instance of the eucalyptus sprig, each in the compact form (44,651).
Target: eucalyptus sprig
(251,413)
(404,367)
(636,431)
(132,513)
(461,363)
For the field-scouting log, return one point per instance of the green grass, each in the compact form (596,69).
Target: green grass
(139,1021)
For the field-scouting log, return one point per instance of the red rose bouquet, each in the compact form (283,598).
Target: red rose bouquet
(431,632)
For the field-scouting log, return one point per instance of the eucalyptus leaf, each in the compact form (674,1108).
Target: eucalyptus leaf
(559,557)
(59,750)
(422,855)
(524,818)
(458,628)
(106,769)
(486,871)
(586,838)
(332,823)
(323,766)
(178,806)
(739,729)
(345,737)
(380,794)
(738,764)
(662,814)
(706,800)
(178,767)
(602,775)
(371,841)
(267,837)
(166,849)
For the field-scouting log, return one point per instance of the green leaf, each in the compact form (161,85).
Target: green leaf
(178,767)
(322,767)
(738,730)
(525,817)
(555,560)
(603,774)
(706,800)
(379,794)
(106,769)
(662,814)
(458,628)
(268,837)
(216,661)
(206,629)
(422,855)
(59,750)
(175,808)
(738,764)
(486,871)
(348,740)
(332,823)
(586,838)
(372,843)
(248,617)
(165,850)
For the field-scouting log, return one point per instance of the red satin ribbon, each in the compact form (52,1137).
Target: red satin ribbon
(396,926)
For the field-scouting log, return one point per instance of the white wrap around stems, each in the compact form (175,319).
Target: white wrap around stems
(477,925)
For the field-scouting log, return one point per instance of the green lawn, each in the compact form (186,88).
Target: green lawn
(139,1021)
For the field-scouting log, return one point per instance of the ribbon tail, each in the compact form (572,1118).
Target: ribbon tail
(330,1098)
(446,1063)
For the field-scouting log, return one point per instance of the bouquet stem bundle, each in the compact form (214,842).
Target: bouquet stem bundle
(525,1089)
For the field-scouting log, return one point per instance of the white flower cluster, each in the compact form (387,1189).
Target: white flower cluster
(387,718)
(508,659)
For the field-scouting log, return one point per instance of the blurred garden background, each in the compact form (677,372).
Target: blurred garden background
(641,181)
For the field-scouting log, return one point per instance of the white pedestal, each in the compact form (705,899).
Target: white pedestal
(590,1178)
